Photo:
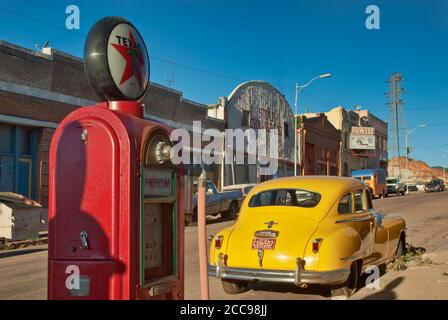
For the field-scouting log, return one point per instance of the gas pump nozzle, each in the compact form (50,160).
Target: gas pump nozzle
(163,152)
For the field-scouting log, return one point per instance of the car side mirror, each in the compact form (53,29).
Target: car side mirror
(209,192)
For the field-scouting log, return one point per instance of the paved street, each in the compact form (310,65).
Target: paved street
(426,215)
(23,272)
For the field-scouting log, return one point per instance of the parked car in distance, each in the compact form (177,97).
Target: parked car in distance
(394,185)
(305,230)
(435,185)
(226,203)
(244,188)
(375,179)
(411,187)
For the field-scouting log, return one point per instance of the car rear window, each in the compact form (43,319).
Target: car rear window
(285,197)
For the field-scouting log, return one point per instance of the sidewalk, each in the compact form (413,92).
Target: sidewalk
(427,282)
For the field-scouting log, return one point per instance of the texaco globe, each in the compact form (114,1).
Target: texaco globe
(116,60)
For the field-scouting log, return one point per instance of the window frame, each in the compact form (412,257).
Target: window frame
(352,203)
(363,201)
(271,191)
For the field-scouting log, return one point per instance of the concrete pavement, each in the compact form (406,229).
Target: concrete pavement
(415,283)
(23,274)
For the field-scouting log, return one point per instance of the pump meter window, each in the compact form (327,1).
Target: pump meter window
(158,224)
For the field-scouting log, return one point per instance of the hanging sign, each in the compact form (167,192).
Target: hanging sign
(116,60)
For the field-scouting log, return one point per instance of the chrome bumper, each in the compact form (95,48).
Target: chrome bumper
(297,276)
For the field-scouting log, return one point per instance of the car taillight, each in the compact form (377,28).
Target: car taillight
(218,242)
(316,245)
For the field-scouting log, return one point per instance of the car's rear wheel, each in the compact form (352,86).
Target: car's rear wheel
(232,213)
(234,286)
(349,287)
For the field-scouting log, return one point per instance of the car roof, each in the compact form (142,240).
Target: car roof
(320,184)
(329,187)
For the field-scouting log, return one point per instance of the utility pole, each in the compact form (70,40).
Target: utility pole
(444,167)
(395,116)
(295,128)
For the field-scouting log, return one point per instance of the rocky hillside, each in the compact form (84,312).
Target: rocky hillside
(418,171)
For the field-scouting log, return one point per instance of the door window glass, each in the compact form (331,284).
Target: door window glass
(368,199)
(346,204)
(359,205)
(211,186)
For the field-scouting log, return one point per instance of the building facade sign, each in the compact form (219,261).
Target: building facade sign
(362,142)
(157,183)
(363,130)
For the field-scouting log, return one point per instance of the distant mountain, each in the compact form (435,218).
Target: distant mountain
(440,168)
(414,171)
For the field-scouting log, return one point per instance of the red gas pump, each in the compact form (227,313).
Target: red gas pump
(116,211)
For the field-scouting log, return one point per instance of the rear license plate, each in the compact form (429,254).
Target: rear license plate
(265,243)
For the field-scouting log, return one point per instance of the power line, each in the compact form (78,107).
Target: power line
(153,57)
(212,73)
(427,146)
(42,21)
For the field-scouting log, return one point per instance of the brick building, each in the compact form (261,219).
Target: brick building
(359,125)
(38,89)
(319,145)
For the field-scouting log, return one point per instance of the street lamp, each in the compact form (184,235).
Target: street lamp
(444,168)
(408,132)
(298,88)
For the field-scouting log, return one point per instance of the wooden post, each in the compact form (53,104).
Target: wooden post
(202,236)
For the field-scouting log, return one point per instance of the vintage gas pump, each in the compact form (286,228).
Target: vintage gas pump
(116,211)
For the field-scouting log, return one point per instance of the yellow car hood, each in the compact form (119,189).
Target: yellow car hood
(294,231)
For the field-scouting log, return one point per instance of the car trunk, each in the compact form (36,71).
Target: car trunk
(294,229)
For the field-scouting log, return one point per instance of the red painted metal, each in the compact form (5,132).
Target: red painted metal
(133,108)
(94,179)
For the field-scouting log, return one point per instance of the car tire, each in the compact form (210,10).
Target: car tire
(234,286)
(232,213)
(348,288)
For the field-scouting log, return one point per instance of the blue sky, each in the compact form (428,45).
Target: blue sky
(280,42)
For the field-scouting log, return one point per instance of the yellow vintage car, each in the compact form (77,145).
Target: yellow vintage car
(305,230)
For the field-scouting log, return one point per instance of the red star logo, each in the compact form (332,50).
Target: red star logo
(134,60)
